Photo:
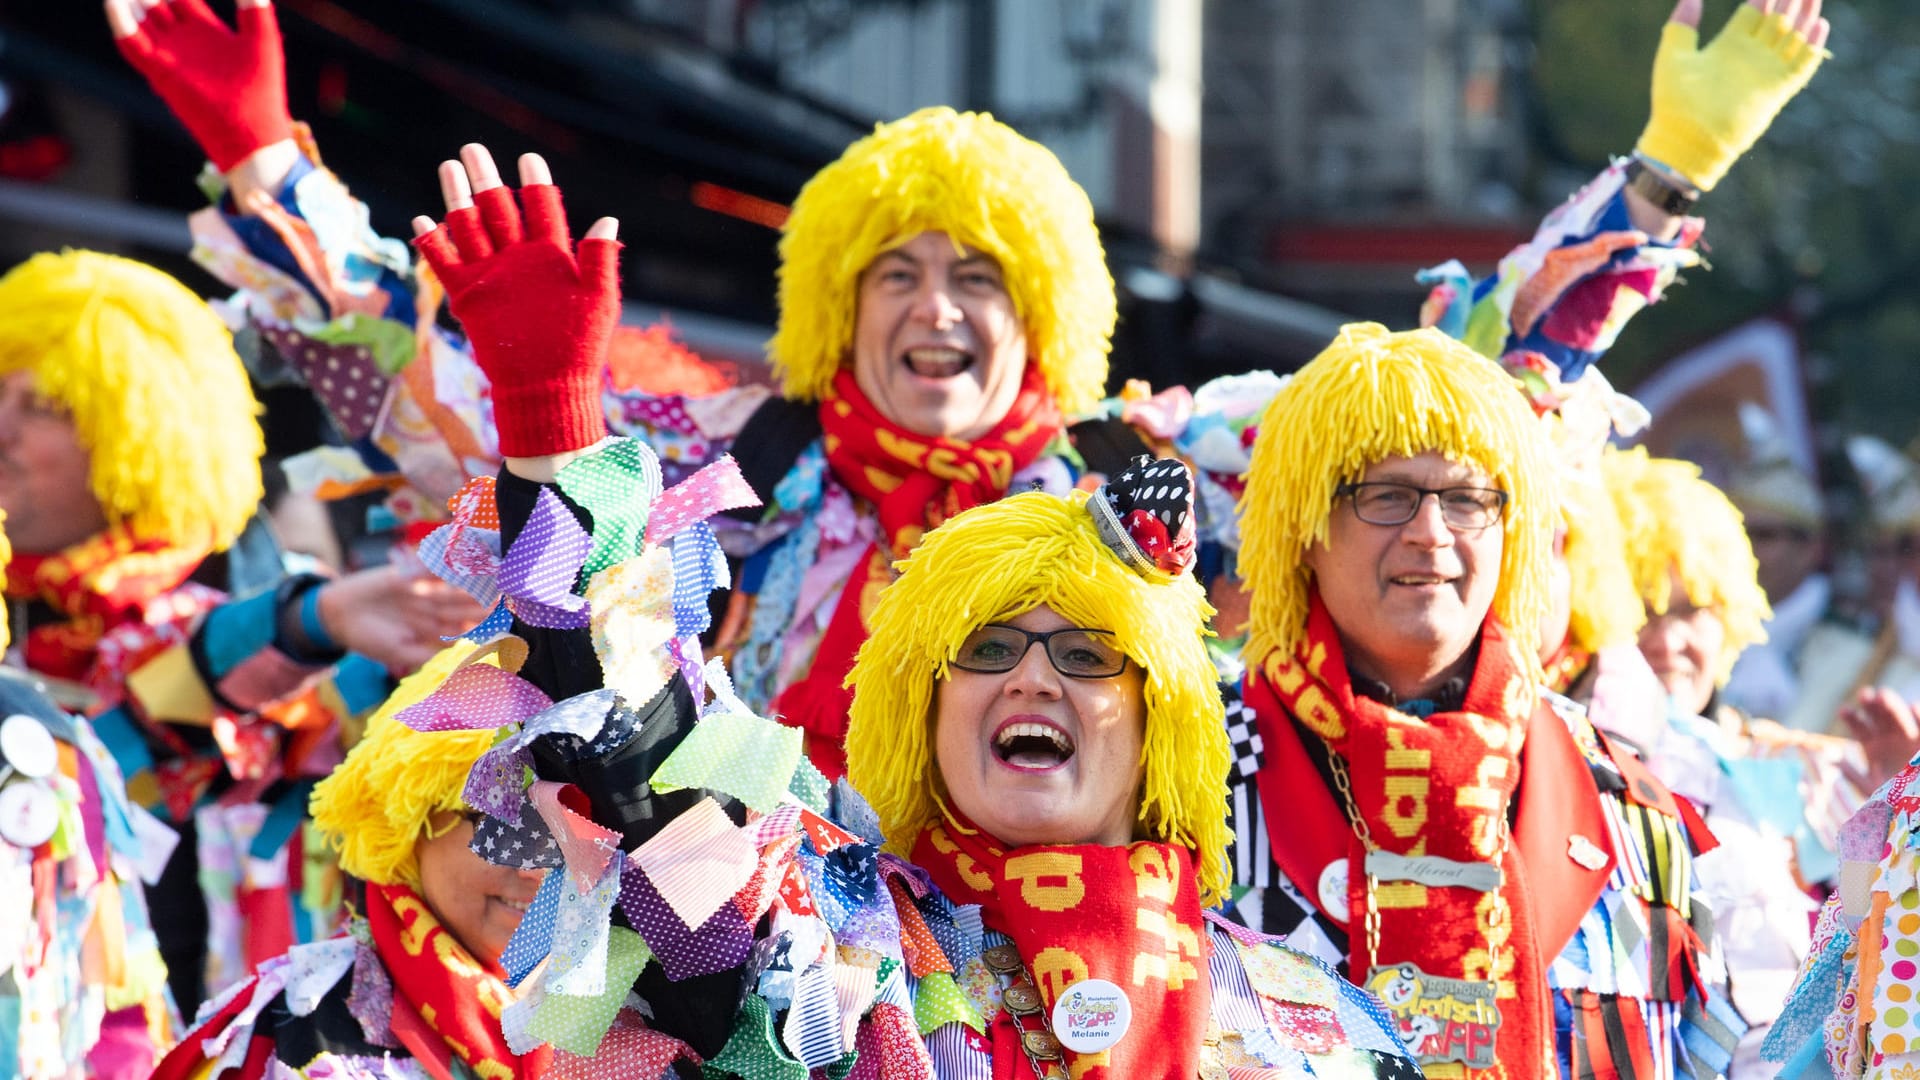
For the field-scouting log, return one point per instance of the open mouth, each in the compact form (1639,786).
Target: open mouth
(513,905)
(933,362)
(1421,580)
(1032,746)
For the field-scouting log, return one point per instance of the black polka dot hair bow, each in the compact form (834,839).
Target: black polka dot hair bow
(1145,514)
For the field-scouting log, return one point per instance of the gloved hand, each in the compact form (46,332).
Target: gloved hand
(538,315)
(228,87)
(1711,105)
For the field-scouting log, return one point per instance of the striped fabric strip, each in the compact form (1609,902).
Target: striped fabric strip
(954,1056)
(1234,1005)
(812,1031)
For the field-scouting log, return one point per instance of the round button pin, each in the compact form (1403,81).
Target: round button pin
(1333,890)
(1091,1015)
(28,815)
(27,746)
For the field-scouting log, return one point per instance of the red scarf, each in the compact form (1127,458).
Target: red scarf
(1129,915)
(97,585)
(444,1001)
(1438,786)
(915,482)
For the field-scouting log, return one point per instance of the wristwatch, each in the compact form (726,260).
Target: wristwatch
(1661,188)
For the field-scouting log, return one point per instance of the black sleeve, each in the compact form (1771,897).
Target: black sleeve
(1107,445)
(563,664)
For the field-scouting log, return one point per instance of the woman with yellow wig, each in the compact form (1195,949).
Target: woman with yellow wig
(418,977)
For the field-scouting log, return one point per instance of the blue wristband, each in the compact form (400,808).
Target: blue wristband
(310,626)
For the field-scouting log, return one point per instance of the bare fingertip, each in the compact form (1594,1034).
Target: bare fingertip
(422,225)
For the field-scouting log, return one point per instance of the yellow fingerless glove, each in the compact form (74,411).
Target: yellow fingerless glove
(1710,105)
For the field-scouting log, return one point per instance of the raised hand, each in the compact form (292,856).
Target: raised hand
(397,619)
(538,315)
(1711,105)
(229,87)
(1888,730)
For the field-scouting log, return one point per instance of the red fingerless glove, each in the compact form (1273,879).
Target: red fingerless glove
(538,315)
(228,87)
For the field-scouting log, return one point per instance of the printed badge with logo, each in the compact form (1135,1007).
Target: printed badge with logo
(1091,1015)
(1440,1019)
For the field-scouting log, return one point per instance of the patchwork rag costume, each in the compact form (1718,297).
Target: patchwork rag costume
(82,987)
(218,719)
(1850,1013)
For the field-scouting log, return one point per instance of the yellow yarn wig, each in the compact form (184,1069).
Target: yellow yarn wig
(379,802)
(994,562)
(1374,394)
(148,373)
(1605,608)
(1677,522)
(987,187)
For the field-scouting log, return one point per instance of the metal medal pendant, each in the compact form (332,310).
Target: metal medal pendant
(1440,1019)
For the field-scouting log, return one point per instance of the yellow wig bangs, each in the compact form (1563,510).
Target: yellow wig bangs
(157,395)
(988,188)
(1374,394)
(379,803)
(1605,609)
(995,562)
(1676,522)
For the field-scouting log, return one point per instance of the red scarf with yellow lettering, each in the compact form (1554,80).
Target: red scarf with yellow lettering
(445,1003)
(1129,915)
(1434,786)
(98,584)
(915,482)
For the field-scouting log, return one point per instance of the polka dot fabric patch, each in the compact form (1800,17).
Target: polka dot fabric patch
(344,377)
(1896,1028)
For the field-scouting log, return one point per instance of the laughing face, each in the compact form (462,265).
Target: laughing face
(937,345)
(1033,756)
(479,902)
(1409,600)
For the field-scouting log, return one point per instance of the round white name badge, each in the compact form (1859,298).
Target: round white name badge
(1091,1015)
(27,746)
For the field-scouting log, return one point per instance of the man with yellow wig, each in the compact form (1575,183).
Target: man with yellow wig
(1448,827)
(86,989)
(130,473)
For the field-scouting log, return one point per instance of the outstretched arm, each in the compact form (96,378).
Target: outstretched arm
(227,86)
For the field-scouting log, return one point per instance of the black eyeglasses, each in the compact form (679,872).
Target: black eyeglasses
(1391,503)
(1073,651)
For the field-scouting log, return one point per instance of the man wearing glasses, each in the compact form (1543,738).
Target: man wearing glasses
(1458,841)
